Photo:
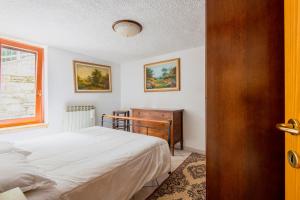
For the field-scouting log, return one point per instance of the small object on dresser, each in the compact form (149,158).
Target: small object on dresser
(121,123)
(13,194)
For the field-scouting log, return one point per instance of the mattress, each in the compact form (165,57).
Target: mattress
(96,163)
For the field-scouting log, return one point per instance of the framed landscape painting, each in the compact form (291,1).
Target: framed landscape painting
(162,76)
(90,77)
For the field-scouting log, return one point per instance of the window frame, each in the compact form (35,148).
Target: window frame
(39,109)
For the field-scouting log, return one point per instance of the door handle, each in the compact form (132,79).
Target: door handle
(291,127)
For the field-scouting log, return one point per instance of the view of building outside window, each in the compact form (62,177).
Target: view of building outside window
(17,84)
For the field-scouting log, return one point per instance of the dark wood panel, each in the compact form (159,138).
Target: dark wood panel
(244,99)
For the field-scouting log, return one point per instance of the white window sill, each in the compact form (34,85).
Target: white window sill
(23,128)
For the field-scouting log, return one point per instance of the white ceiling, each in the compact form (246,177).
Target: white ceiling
(84,26)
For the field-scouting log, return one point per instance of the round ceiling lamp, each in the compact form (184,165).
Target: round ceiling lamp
(127,28)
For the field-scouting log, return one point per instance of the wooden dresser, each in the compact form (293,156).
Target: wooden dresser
(176,134)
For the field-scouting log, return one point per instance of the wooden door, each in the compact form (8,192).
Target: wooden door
(244,99)
(292,92)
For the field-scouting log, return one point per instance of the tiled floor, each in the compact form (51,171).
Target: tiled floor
(176,160)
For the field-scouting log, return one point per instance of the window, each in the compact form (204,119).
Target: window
(21,101)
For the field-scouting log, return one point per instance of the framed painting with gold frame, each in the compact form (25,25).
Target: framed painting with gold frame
(90,77)
(162,76)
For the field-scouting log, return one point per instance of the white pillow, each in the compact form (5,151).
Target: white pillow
(16,171)
(8,147)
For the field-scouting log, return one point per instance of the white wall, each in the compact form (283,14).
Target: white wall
(191,97)
(59,91)
(61,87)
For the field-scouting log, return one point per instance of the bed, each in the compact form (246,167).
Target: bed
(96,163)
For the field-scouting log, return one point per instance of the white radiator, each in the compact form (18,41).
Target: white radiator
(78,117)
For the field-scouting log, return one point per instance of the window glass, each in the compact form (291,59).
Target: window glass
(17,83)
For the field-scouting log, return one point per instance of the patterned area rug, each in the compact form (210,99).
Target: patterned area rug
(187,182)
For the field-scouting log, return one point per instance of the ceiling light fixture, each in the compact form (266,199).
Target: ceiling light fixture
(127,28)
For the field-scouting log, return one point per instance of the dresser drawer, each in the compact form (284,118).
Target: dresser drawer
(152,115)
(153,130)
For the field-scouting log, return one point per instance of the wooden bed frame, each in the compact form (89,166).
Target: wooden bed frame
(166,124)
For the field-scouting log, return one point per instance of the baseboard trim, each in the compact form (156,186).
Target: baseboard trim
(194,150)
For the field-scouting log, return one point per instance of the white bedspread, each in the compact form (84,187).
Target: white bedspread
(97,163)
